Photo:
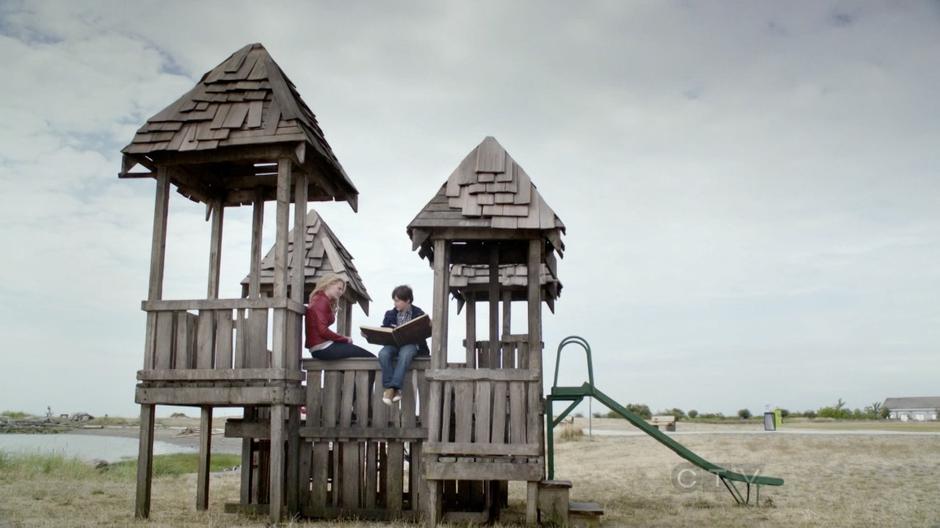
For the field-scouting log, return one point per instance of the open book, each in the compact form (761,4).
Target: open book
(412,332)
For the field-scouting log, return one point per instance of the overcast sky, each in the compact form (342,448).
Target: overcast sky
(750,188)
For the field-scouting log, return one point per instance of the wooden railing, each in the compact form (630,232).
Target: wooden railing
(360,456)
(218,334)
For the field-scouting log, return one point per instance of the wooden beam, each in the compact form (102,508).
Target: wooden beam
(158,240)
(493,298)
(205,451)
(144,462)
(246,374)
(219,396)
(477,471)
(439,312)
(276,486)
(535,305)
(262,303)
(279,318)
(481,374)
(300,233)
(507,315)
(257,221)
(471,340)
(215,248)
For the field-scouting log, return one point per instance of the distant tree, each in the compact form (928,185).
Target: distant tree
(810,414)
(884,413)
(578,415)
(744,414)
(597,414)
(693,413)
(784,413)
(640,408)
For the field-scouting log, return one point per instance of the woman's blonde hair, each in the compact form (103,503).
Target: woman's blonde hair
(324,283)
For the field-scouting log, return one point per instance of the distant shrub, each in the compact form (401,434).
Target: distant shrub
(744,414)
(15,415)
(600,415)
(692,413)
(579,415)
(784,413)
(570,433)
(810,414)
(640,408)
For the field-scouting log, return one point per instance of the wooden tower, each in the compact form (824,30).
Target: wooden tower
(322,254)
(241,136)
(485,420)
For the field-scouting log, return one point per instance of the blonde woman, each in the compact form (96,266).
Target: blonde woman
(321,313)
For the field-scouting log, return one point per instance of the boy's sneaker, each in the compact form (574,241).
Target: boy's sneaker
(397,396)
(387,396)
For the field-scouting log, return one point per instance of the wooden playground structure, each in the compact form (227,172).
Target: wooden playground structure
(243,136)
(463,429)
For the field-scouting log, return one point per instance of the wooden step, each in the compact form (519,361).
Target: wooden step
(584,514)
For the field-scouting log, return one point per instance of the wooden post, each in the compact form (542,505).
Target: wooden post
(494,305)
(158,241)
(507,313)
(471,340)
(276,506)
(300,234)
(279,333)
(439,312)
(342,326)
(293,460)
(245,489)
(215,247)
(532,504)
(535,305)
(205,448)
(144,461)
(257,222)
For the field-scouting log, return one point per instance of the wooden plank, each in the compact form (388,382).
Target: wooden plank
(223,304)
(314,398)
(395,476)
(463,470)
(500,412)
(163,346)
(350,475)
(481,412)
(319,476)
(379,409)
(331,388)
(347,393)
(362,399)
(446,417)
(423,393)
(300,230)
(219,396)
(463,449)
(144,462)
(517,418)
(532,502)
(306,474)
(371,489)
(246,472)
(257,339)
(220,375)
(484,374)
(185,341)
(416,482)
(408,401)
(223,339)
(493,298)
(432,416)
(205,451)
(205,330)
(358,364)
(534,420)
(463,408)
(535,305)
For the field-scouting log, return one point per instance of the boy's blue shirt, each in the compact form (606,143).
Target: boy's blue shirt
(391,320)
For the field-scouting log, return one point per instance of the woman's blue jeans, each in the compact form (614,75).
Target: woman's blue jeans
(392,376)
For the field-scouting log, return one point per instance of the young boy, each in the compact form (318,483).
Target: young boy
(403,312)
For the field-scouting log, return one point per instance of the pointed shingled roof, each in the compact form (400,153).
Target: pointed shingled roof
(323,254)
(246,101)
(488,190)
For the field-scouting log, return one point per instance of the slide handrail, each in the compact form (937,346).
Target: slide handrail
(574,340)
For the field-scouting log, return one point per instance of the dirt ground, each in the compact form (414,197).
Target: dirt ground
(839,478)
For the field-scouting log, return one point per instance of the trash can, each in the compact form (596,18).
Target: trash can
(769,421)
(778,418)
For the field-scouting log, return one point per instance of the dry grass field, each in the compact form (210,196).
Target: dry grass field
(831,480)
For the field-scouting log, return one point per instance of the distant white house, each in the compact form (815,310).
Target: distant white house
(913,409)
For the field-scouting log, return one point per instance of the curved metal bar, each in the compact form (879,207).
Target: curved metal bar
(576,340)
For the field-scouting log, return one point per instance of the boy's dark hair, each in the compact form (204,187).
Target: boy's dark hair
(403,292)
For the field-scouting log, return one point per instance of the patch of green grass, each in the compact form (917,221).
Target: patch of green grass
(173,465)
(15,466)
(15,415)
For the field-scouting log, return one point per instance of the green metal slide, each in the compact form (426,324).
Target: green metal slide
(576,395)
